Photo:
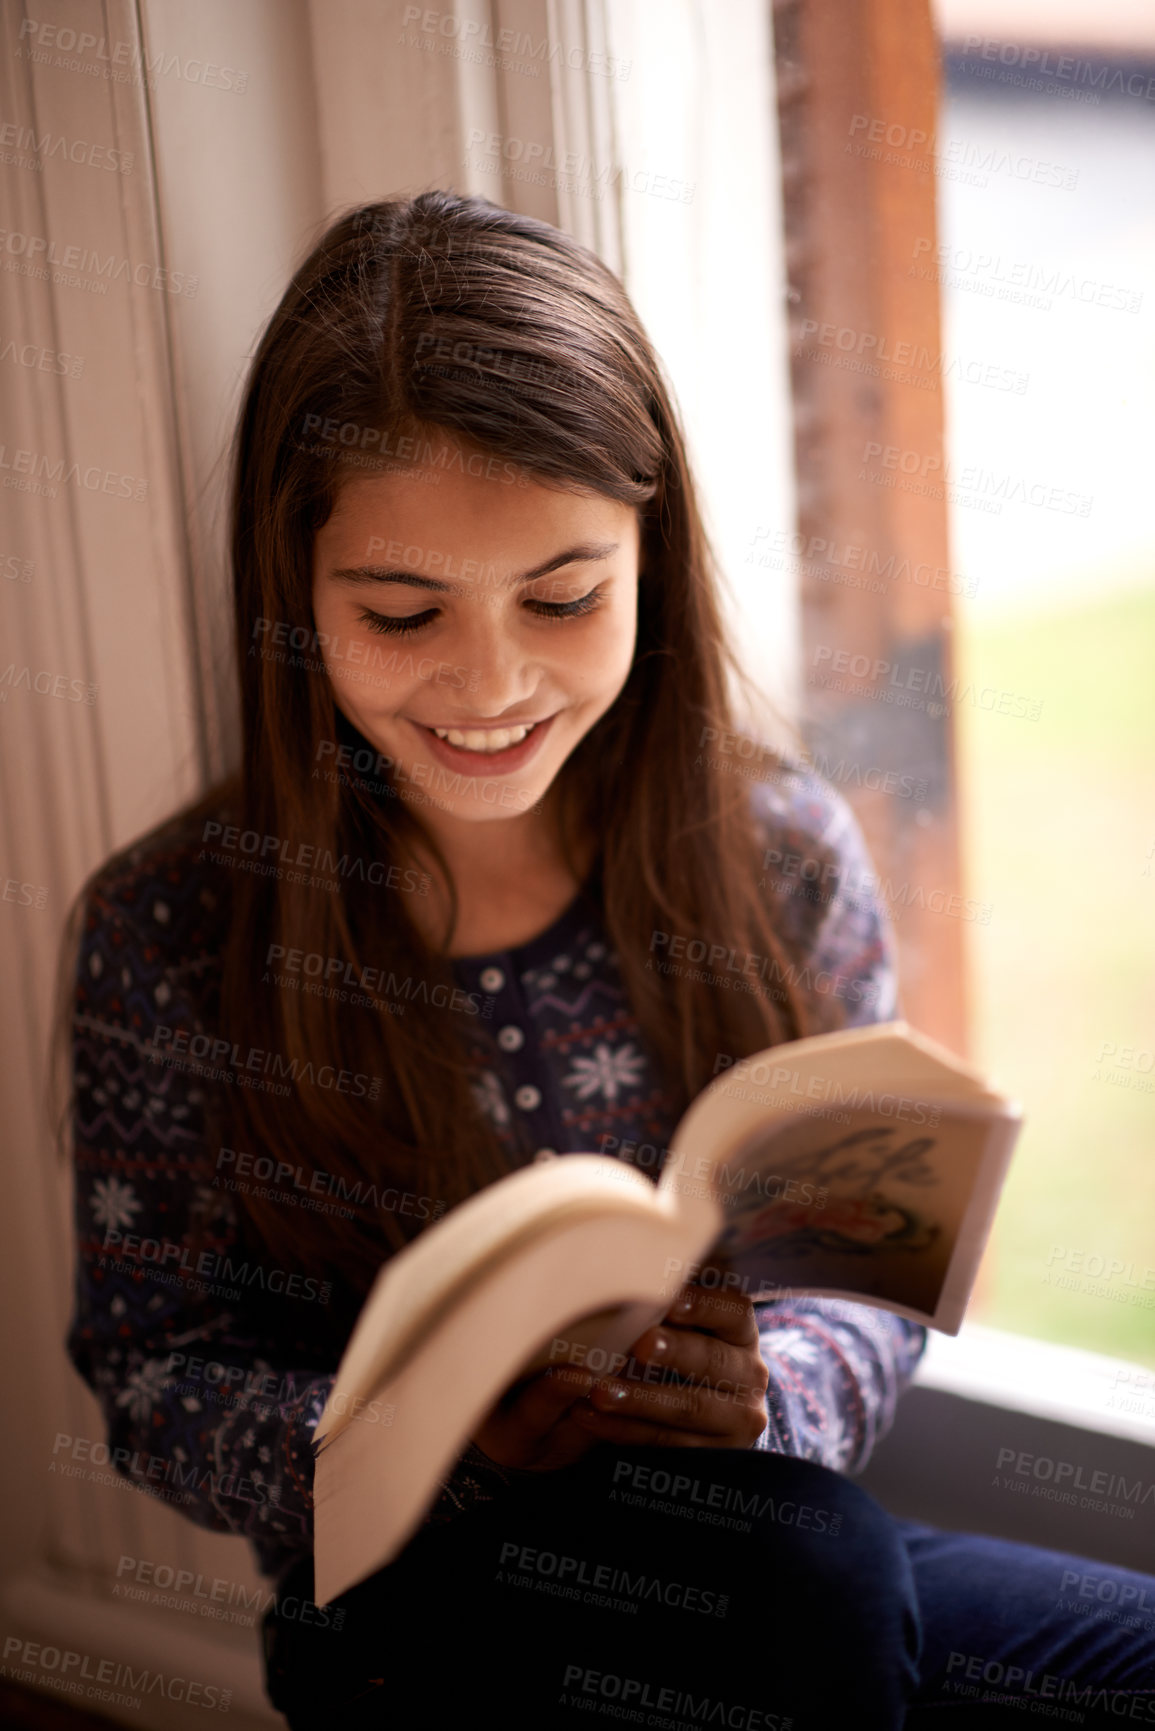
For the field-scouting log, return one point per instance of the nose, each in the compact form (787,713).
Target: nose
(501,674)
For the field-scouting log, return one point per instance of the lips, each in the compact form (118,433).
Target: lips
(497,751)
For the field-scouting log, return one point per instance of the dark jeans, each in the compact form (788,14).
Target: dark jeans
(687,1588)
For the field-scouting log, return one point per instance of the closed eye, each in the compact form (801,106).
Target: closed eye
(567,609)
(389,625)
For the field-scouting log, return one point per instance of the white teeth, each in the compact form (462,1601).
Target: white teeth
(500,739)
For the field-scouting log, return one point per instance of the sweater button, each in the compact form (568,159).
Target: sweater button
(528,1097)
(492,979)
(511,1039)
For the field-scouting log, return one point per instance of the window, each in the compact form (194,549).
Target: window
(1046,277)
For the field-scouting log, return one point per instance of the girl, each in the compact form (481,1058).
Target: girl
(431,931)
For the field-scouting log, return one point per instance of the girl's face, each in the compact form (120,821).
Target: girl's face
(475,625)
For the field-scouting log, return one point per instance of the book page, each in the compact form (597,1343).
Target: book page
(866,1205)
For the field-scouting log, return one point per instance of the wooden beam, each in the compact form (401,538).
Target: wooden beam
(858,85)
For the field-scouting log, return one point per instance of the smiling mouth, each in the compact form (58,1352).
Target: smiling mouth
(485,741)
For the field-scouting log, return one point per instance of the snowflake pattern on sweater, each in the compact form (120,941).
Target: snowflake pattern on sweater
(210,1392)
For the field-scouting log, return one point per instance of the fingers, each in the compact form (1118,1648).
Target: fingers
(704,1337)
(731,1410)
(682,1354)
(708,1381)
(689,1417)
(545,1415)
(566,1443)
(729,1315)
(531,1428)
(546,1397)
(703,1386)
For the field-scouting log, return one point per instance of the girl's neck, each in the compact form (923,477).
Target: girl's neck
(512,876)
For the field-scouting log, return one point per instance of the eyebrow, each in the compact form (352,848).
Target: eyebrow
(587,553)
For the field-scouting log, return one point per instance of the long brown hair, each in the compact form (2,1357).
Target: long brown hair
(459,325)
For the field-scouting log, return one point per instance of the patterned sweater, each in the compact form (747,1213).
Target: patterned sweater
(209,1390)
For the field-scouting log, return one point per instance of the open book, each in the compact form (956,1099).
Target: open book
(865,1164)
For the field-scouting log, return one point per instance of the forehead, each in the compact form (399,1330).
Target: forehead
(467,503)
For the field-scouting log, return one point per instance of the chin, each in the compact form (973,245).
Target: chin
(480,809)
(480,814)
(428,785)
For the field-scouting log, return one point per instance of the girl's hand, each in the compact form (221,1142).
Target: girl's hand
(533,1425)
(706,1385)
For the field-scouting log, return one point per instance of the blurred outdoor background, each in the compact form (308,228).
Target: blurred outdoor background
(1058,283)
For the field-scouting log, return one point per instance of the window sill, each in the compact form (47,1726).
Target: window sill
(1027,1441)
(1062,1383)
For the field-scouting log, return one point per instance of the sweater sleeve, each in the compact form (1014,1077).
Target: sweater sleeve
(202,1406)
(836,1368)
(208,1401)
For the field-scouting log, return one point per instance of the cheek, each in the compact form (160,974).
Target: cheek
(598,664)
(620,642)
